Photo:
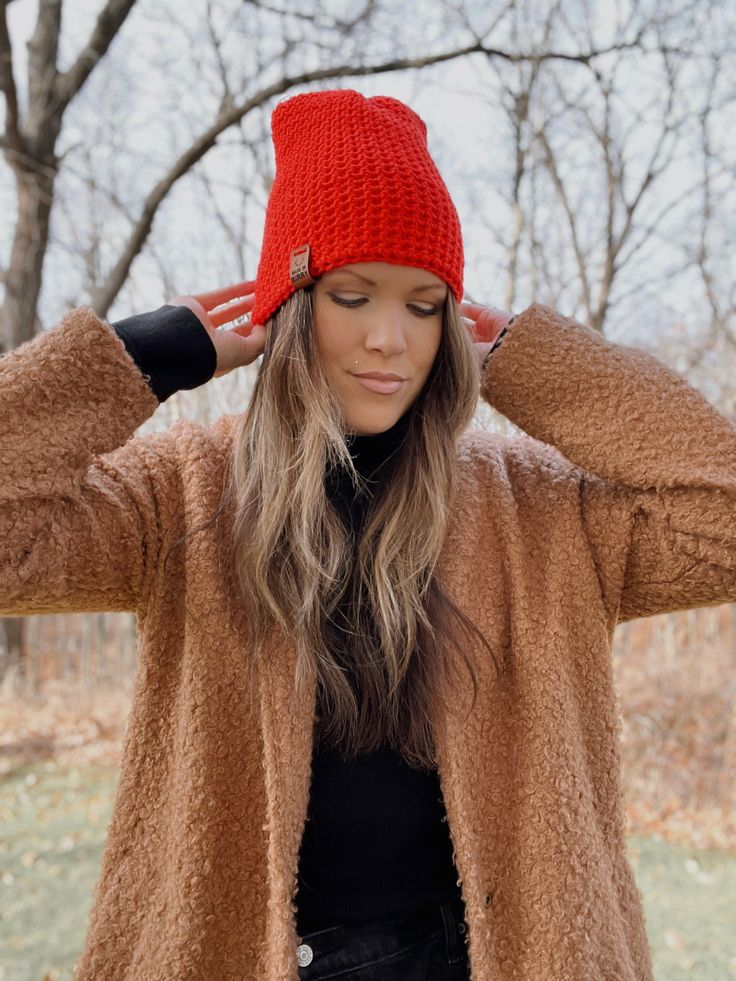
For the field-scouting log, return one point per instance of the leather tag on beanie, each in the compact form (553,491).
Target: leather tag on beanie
(299,266)
(355,180)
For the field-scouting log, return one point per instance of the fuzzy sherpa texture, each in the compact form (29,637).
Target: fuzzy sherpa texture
(618,501)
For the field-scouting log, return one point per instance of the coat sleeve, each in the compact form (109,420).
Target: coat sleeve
(657,462)
(79,522)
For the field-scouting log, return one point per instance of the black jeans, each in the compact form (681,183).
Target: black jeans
(426,946)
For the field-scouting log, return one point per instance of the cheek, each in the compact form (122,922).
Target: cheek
(330,341)
(432,347)
(332,336)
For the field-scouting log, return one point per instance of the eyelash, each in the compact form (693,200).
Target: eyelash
(352,304)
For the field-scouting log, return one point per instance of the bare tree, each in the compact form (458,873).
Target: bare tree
(29,147)
(281,45)
(715,261)
(594,149)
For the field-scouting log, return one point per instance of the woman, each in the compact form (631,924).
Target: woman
(374,731)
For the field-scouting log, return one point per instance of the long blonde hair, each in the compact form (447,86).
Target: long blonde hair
(297,564)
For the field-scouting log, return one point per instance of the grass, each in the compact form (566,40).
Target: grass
(690,905)
(54,821)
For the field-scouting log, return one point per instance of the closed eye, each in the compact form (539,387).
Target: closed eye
(419,311)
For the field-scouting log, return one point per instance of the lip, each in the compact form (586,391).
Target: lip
(380,375)
(385,387)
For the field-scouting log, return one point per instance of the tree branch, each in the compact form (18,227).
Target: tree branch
(104,297)
(107,25)
(42,49)
(12,138)
(559,184)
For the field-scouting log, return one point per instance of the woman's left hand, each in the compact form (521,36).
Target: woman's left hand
(484,325)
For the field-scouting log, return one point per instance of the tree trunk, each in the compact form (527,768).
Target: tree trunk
(22,289)
(15,660)
(30,239)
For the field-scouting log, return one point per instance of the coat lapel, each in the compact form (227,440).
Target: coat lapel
(287,725)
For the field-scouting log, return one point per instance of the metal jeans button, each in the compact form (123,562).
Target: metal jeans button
(304,954)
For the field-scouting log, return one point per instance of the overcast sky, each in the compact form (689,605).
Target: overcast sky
(454,106)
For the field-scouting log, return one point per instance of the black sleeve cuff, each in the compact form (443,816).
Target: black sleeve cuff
(171,348)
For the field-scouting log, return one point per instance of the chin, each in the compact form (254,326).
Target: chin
(372,427)
(375,431)
(374,419)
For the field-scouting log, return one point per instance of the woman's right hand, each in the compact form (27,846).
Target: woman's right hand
(238,346)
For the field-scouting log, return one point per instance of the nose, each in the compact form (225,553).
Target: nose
(388,332)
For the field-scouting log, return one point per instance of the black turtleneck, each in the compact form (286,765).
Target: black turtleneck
(372,456)
(376,842)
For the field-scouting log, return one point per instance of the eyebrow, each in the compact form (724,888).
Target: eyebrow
(417,289)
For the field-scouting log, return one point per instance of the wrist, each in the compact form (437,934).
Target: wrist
(170,346)
(497,343)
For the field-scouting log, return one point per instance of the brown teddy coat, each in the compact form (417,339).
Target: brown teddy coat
(618,501)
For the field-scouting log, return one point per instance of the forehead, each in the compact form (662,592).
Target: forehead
(386,273)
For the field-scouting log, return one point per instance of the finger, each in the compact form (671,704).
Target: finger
(473,309)
(226,293)
(476,310)
(253,345)
(236,351)
(247,329)
(195,306)
(214,298)
(227,314)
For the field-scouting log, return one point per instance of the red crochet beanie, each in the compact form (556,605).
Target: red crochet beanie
(354,183)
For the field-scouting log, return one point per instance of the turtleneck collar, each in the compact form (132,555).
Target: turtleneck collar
(372,450)
(369,453)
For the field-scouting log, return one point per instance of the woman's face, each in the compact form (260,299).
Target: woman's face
(386,317)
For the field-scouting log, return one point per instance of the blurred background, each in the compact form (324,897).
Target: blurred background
(590,149)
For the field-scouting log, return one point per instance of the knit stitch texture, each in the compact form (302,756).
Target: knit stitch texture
(355,181)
